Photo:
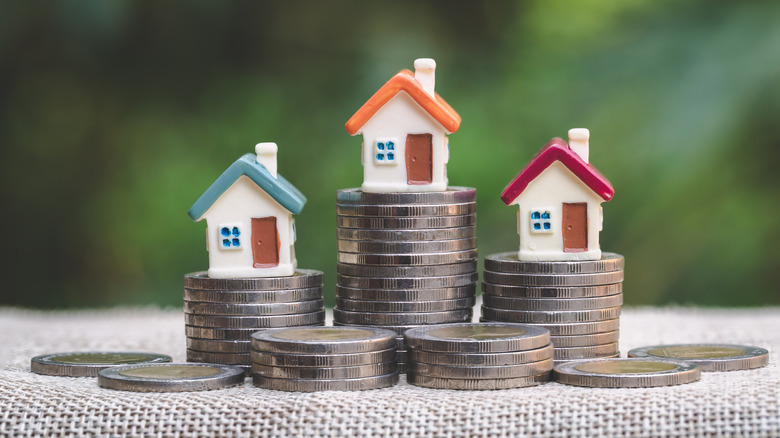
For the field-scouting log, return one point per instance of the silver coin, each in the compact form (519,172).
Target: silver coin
(170,377)
(434,294)
(568,353)
(547,304)
(254,297)
(406,235)
(453,195)
(323,340)
(369,318)
(218,346)
(406,210)
(574,329)
(508,262)
(407,283)
(474,384)
(544,317)
(407,271)
(303,278)
(563,361)
(318,373)
(322,360)
(223,358)
(553,280)
(406,223)
(225,334)
(404,306)
(306,385)
(269,321)
(88,363)
(626,373)
(709,357)
(377,247)
(477,338)
(482,359)
(564,292)
(481,372)
(585,340)
(218,309)
(408,259)
(398,329)
(402,355)
(400,343)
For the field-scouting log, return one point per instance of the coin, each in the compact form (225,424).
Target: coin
(626,373)
(398,329)
(405,223)
(222,358)
(88,363)
(254,321)
(709,357)
(553,280)
(370,318)
(303,278)
(564,292)
(254,297)
(482,359)
(544,317)
(453,195)
(170,377)
(218,346)
(407,271)
(580,328)
(319,373)
(322,360)
(406,210)
(306,385)
(404,306)
(477,338)
(406,235)
(407,283)
(219,309)
(441,258)
(557,362)
(480,372)
(323,340)
(548,304)
(585,340)
(380,247)
(476,384)
(227,334)
(433,294)
(591,351)
(509,263)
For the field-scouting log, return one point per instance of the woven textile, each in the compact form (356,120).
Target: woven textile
(742,403)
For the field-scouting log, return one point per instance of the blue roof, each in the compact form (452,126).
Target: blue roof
(278,188)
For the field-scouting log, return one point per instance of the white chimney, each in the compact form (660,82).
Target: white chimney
(266,155)
(425,73)
(578,142)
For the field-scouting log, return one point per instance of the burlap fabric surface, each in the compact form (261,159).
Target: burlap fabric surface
(722,404)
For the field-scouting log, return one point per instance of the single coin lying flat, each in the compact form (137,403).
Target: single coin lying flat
(170,377)
(88,363)
(709,357)
(626,373)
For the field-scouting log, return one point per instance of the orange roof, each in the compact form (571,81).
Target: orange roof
(404,81)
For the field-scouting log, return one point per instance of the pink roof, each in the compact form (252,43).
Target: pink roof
(558,150)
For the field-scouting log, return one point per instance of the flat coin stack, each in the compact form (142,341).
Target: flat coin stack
(308,359)
(221,314)
(479,356)
(577,301)
(406,259)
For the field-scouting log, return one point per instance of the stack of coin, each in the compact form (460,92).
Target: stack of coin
(307,359)
(406,259)
(221,314)
(479,356)
(578,301)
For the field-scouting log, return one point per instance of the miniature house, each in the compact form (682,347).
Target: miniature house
(250,230)
(404,127)
(559,195)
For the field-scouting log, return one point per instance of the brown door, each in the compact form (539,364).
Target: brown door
(575,227)
(419,159)
(265,242)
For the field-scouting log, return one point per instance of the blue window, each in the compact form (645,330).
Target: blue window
(384,151)
(230,236)
(541,221)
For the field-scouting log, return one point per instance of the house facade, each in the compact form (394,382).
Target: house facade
(404,128)
(250,230)
(559,196)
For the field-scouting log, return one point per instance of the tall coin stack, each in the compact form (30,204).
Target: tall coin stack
(406,259)
(221,314)
(577,301)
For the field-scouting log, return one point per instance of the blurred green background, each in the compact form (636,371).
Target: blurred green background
(116,115)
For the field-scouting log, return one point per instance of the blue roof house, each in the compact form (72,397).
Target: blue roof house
(250,230)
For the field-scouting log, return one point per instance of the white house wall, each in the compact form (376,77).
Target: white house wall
(240,203)
(555,186)
(397,118)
